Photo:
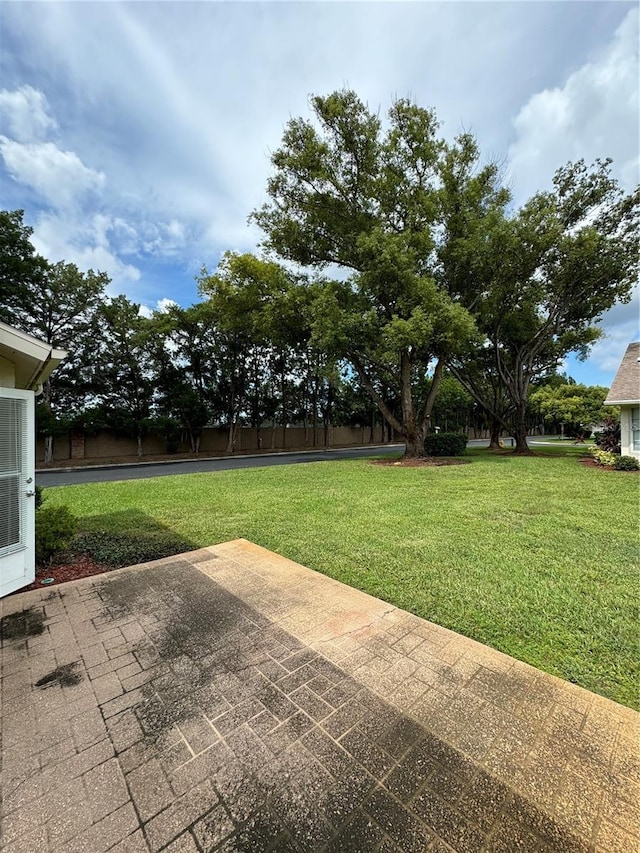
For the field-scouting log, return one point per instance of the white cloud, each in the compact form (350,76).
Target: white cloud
(163,238)
(593,114)
(24,114)
(621,326)
(86,243)
(60,177)
(162,306)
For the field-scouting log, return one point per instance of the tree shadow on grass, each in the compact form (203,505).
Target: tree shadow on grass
(128,537)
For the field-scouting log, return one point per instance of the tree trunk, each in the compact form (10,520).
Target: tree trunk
(48,448)
(283,395)
(139,440)
(314,411)
(496,429)
(411,432)
(414,446)
(521,429)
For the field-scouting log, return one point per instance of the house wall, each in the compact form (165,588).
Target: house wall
(626,432)
(7,373)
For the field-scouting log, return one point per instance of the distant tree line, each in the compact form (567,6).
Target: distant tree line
(397,285)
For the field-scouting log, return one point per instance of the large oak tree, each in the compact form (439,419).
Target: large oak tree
(351,192)
(547,274)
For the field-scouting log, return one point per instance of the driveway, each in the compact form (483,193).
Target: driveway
(231,700)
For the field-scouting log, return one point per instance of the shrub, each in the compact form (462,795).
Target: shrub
(171,432)
(626,463)
(608,438)
(55,528)
(604,457)
(118,549)
(445,444)
(39,498)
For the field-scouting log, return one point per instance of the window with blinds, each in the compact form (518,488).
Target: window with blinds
(635,429)
(13,443)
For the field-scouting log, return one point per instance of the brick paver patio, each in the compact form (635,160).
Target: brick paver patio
(231,700)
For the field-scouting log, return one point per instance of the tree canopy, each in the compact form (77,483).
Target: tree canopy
(394,262)
(21,269)
(550,271)
(371,199)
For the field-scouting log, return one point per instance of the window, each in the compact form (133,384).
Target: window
(12,441)
(635,428)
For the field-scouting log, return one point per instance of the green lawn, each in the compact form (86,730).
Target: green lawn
(536,556)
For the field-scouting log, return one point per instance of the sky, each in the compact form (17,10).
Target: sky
(137,136)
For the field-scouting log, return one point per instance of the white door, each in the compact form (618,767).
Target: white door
(17,489)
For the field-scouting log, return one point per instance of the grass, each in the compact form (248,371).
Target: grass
(535,556)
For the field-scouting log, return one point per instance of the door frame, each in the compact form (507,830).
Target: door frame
(17,566)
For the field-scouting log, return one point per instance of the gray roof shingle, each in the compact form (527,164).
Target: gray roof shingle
(626,384)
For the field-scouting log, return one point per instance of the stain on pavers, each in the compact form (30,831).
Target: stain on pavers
(198,722)
(23,624)
(66,675)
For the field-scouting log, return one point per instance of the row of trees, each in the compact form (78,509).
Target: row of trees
(241,356)
(439,270)
(393,264)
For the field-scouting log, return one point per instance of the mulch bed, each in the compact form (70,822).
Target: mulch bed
(425,462)
(591,463)
(71,568)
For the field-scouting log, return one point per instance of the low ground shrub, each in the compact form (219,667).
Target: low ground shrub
(626,463)
(445,444)
(117,550)
(55,528)
(604,457)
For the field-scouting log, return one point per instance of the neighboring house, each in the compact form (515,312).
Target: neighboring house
(625,392)
(25,363)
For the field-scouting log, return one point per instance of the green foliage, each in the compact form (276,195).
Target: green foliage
(127,548)
(39,496)
(171,431)
(123,377)
(60,309)
(550,270)
(608,438)
(626,463)
(348,192)
(578,406)
(445,444)
(21,270)
(453,407)
(47,422)
(55,529)
(605,457)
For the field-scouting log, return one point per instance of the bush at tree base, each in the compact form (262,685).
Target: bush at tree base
(55,528)
(445,444)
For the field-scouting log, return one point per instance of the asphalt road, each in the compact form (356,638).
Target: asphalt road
(143,470)
(62,477)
